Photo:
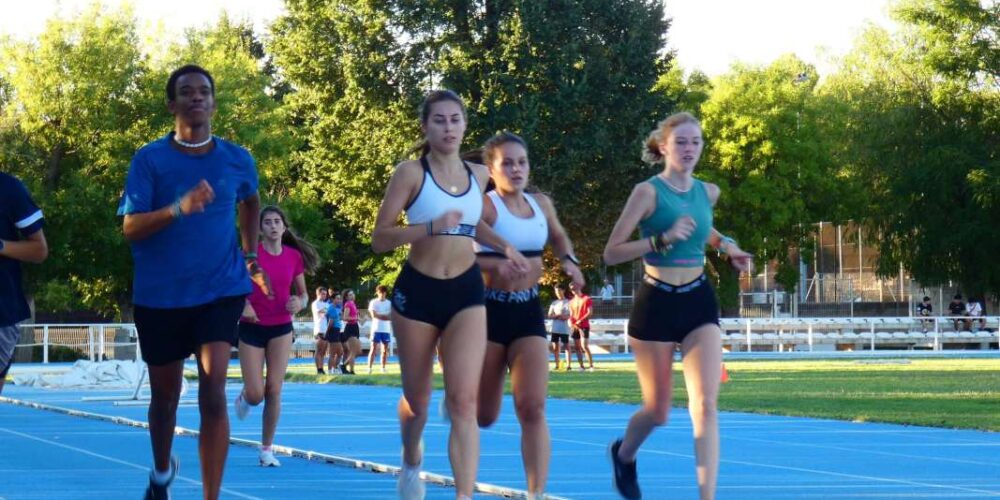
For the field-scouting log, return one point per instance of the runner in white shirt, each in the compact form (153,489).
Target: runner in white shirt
(319,325)
(380,310)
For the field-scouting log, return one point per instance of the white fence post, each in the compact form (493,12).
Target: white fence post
(90,342)
(749,341)
(100,343)
(873,334)
(45,344)
(937,330)
(810,337)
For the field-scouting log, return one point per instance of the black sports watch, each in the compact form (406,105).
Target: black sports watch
(570,257)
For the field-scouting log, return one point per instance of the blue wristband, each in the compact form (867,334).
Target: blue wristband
(722,243)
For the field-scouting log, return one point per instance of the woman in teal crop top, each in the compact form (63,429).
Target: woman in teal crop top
(675,305)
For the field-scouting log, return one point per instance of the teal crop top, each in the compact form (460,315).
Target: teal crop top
(669,206)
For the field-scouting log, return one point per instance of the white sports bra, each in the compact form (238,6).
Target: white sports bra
(432,201)
(527,235)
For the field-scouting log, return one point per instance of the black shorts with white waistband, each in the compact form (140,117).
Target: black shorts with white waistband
(513,315)
(435,301)
(668,313)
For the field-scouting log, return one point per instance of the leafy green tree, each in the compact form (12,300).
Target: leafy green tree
(766,151)
(73,114)
(76,104)
(575,77)
(922,136)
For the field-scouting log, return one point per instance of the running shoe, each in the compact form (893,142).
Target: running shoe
(162,491)
(241,406)
(267,459)
(409,486)
(383,369)
(624,479)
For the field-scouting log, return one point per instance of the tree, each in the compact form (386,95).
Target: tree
(766,151)
(74,115)
(574,77)
(922,121)
(78,102)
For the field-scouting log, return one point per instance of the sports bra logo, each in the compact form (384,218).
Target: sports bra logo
(460,230)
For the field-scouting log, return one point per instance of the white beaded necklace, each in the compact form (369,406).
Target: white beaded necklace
(673,187)
(192,145)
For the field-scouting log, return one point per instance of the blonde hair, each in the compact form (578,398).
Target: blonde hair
(651,148)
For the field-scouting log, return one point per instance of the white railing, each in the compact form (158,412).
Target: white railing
(98,342)
(104,341)
(810,334)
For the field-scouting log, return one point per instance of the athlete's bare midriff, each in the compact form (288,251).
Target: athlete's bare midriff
(442,257)
(674,275)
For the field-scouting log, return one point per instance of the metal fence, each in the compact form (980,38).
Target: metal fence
(95,342)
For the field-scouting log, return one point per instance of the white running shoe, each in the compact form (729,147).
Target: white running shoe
(241,406)
(590,369)
(267,459)
(409,486)
(383,369)
(369,370)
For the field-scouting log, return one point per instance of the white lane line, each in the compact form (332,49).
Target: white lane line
(787,468)
(310,455)
(115,460)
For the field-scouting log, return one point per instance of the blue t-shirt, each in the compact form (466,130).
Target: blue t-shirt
(333,314)
(19,217)
(197,258)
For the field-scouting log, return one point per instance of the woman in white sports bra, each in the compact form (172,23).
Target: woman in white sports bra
(439,292)
(514,317)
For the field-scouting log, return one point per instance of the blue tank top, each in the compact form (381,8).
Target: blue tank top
(670,205)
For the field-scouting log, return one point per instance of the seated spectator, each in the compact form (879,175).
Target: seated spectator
(925,310)
(974,309)
(956,308)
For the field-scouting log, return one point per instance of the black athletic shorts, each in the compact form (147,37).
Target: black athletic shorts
(435,301)
(332,333)
(560,337)
(668,313)
(513,315)
(259,335)
(350,330)
(581,332)
(172,334)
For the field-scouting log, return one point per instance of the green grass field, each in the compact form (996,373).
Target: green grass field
(956,393)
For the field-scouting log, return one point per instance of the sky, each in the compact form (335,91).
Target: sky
(708,35)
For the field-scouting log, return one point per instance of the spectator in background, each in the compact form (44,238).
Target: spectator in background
(925,310)
(607,291)
(21,240)
(974,309)
(956,308)
(581,308)
(334,327)
(380,310)
(319,307)
(559,314)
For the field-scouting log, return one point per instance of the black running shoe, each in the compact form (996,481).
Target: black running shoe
(162,491)
(624,479)
(319,371)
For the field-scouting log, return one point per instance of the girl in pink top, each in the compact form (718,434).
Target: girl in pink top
(351,336)
(266,324)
